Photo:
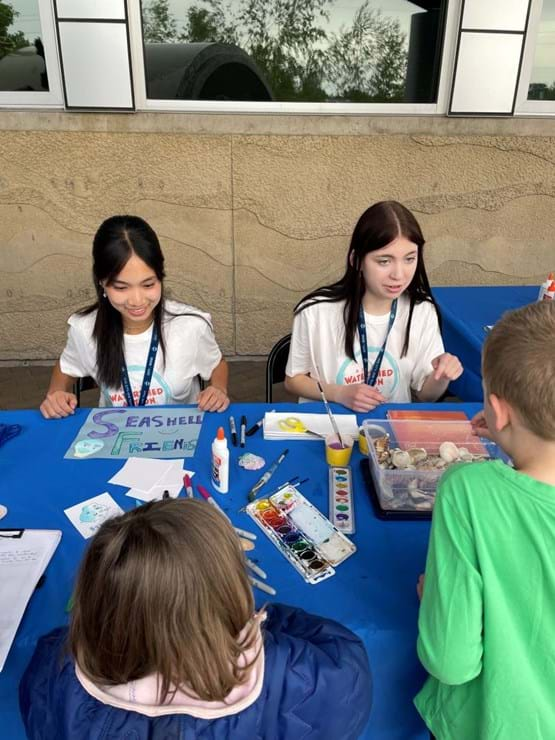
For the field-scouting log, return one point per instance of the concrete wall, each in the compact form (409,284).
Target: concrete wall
(255,211)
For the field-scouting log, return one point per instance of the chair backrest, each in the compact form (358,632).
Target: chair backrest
(83,384)
(275,365)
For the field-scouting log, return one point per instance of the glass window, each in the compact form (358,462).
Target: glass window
(542,79)
(22,59)
(361,51)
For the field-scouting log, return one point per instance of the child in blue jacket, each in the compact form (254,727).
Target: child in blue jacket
(164,643)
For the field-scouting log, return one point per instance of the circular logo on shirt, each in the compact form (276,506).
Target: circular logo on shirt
(351,372)
(159,392)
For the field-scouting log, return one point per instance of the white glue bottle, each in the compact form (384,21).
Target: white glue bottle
(545,286)
(549,294)
(220,462)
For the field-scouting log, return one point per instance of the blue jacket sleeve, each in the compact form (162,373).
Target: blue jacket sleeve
(39,680)
(326,690)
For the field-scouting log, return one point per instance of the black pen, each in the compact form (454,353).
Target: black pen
(243,427)
(233,430)
(256,427)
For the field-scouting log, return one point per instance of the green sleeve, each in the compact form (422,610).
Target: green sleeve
(450,620)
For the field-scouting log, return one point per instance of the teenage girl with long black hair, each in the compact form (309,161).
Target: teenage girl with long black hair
(140,347)
(374,335)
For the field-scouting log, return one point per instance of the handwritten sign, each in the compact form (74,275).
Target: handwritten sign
(121,432)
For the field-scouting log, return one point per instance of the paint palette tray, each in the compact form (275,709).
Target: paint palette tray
(342,512)
(311,543)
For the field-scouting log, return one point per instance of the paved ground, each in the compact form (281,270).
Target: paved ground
(24,387)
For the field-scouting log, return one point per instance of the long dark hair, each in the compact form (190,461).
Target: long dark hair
(378,226)
(117,239)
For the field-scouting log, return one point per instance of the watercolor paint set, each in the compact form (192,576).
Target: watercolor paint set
(303,535)
(342,513)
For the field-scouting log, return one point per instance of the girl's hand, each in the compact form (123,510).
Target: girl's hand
(58,404)
(213,399)
(479,426)
(447,367)
(360,398)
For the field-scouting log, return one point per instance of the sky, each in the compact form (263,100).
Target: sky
(341,12)
(544,57)
(28,20)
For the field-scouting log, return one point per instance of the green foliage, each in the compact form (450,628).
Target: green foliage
(158,23)
(9,42)
(301,61)
(367,62)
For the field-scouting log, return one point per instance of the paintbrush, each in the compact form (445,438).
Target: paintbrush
(332,418)
(266,477)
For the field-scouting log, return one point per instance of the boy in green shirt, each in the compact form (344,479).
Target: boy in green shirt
(487,618)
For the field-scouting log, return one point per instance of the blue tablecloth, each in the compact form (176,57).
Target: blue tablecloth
(465,312)
(373,592)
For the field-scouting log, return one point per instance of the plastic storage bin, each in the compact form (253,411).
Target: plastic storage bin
(409,493)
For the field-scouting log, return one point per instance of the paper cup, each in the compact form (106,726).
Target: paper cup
(335,454)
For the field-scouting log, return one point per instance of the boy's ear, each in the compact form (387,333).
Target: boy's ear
(501,412)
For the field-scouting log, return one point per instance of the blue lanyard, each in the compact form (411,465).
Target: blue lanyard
(147,377)
(371,379)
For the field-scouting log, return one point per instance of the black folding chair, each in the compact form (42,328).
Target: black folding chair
(83,384)
(275,365)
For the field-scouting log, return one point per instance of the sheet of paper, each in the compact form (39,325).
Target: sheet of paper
(143,472)
(88,515)
(174,474)
(23,560)
(142,431)
(155,494)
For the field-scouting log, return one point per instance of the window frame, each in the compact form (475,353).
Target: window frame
(145,104)
(523,106)
(54,98)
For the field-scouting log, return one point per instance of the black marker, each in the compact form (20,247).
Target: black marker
(256,427)
(233,430)
(243,427)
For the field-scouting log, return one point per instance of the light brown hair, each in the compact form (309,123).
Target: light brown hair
(163,589)
(518,365)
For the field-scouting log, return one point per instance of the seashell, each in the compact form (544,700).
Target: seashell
(417,454)
(400,459)
(449,452)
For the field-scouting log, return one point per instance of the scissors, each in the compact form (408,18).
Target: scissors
(294,424)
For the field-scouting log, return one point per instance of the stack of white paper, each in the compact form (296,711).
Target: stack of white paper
(23,559)
(148,478)
(291,425)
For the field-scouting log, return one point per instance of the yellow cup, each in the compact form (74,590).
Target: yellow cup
(335,454)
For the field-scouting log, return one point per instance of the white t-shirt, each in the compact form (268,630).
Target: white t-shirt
(191,350)
(318,344)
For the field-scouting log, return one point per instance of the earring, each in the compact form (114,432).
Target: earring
(104,294)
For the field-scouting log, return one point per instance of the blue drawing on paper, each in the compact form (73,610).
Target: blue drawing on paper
(92,513)
(120,432)
(87,447)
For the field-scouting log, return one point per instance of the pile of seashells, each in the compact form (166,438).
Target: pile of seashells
(417,458)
